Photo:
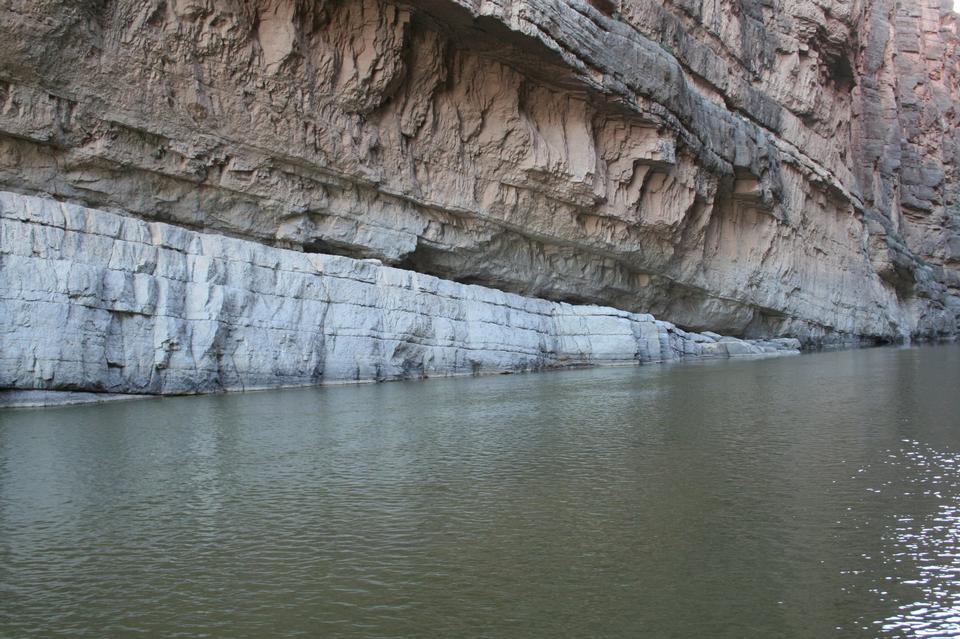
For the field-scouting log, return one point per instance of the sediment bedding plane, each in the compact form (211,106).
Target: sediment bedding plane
(95,301)
(202,195)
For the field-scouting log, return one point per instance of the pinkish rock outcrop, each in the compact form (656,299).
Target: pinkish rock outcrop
(755,167)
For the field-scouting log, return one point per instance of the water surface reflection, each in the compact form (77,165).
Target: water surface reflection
(801,497)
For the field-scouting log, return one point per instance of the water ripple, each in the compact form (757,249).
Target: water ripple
(809,497)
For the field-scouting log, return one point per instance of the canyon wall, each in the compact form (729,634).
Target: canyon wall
(99,302)
(755,167)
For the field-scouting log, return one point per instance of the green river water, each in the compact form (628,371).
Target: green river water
(811,496)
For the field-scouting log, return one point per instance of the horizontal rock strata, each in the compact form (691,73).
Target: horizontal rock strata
(758,167)
(97,301)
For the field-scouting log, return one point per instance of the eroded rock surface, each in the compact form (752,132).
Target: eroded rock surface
(95,301)
(756,167)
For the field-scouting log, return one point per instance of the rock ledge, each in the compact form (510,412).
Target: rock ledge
(92,301)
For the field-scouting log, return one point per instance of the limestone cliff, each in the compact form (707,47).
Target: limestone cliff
(755,167)
(95,301)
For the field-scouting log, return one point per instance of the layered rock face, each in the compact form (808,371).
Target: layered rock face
(755,167)
(95,301)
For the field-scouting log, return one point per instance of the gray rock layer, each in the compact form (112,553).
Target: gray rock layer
(97,301)
(756,167)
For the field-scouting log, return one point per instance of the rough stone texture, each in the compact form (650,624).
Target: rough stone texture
(95,301)
(907,118)
(755,167)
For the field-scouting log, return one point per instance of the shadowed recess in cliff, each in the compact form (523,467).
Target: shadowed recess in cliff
(687,159)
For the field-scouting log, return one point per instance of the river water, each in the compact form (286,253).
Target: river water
(811,496)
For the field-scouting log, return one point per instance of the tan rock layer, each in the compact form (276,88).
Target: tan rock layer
(759,168)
